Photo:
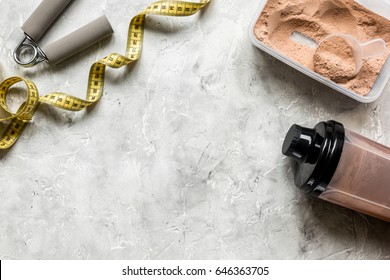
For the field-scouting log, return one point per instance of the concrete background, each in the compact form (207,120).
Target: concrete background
(181,158)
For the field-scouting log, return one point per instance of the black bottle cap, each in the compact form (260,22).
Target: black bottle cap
(298,142)
(317,152)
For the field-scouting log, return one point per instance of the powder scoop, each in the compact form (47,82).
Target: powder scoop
(347,50)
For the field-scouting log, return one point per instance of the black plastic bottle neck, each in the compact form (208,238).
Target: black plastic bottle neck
(317,152)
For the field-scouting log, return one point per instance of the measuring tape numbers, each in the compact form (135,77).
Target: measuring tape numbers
(19,120)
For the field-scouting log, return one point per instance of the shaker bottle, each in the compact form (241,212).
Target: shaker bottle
(341,166)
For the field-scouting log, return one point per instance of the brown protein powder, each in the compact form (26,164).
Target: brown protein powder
(316,19)
(334,60)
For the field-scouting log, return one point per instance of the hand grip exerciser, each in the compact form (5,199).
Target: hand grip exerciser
(28,53)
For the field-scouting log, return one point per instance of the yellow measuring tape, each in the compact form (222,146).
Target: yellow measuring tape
(20,119)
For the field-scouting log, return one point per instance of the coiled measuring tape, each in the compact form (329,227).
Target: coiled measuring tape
(20,119)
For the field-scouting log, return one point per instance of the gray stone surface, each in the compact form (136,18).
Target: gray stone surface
(181,158)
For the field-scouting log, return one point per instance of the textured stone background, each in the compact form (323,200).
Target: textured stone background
(181,158)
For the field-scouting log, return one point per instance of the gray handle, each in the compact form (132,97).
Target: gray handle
(43,16)
(79,40)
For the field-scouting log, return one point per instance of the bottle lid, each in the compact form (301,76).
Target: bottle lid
(317,152)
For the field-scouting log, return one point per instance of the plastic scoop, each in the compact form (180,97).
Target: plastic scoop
(360,51)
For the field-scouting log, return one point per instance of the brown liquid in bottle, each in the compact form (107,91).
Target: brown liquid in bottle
(362,178)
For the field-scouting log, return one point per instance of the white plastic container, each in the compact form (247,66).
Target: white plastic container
(380,7)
